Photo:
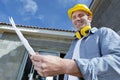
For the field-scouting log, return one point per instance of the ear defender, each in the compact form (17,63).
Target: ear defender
(83,32)
(77,35)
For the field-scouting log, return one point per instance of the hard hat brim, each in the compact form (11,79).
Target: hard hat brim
(76,8)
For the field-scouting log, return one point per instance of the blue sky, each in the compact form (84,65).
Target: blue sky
(39,13)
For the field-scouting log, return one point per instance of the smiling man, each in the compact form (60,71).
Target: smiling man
(94,53)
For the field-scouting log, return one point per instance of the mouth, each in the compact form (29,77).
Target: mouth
(79,24)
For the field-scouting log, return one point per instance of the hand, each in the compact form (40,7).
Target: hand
(47,65)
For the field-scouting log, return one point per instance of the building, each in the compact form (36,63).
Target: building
(14,59)
(106,13)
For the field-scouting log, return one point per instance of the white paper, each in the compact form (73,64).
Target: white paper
(22,38)
(49,78)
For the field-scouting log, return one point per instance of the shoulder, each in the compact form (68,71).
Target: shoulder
(106,30)
(102,29)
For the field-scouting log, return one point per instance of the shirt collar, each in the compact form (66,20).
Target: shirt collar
(93,30)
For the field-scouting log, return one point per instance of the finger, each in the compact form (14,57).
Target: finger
(36,63)
(37,68)
(41,74)
(36,57)
(31,56)
(37,53)
(39,71)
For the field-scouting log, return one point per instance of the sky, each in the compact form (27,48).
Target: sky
(39,13)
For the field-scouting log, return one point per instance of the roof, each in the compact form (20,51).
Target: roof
(35,27)
(38,31)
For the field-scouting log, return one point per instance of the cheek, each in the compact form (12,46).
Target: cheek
(73,22)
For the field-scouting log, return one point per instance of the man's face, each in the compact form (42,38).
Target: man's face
(80,19)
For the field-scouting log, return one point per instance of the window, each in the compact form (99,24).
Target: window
(1,35)
(27,71)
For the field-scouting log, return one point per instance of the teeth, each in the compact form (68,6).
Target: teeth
(79,22)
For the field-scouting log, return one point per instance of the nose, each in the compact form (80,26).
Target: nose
(78,18)
(77,21)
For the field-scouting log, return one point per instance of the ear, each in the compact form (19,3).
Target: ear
(90,18)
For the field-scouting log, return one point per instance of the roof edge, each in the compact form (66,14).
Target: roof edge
(35,27)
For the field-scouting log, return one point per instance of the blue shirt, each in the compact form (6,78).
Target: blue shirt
(99,55)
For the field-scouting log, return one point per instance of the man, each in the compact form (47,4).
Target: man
(94,53)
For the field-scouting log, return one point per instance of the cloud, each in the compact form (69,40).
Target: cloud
(40,17)
(3,17)
(29,6)
(26,19)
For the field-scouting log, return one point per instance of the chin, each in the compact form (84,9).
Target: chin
(78,29)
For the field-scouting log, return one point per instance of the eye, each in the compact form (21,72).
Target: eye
(80,15)
(73,17)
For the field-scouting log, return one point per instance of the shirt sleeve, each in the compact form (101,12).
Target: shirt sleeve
(107,66)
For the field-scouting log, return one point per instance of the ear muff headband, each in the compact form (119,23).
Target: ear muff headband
(77,35)
(83,32)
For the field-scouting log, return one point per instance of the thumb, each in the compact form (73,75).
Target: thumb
(36,57)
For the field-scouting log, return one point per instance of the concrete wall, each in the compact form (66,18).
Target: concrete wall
(107,14)
(118,32)
(12,50)
(11,54)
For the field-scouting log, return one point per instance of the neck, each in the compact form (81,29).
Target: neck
(87,26)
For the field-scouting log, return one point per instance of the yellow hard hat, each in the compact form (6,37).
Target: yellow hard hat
(81,7)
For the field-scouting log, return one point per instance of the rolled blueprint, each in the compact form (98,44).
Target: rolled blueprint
(22,38)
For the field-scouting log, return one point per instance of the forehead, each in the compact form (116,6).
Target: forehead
(78,12)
